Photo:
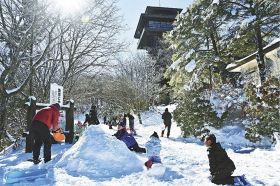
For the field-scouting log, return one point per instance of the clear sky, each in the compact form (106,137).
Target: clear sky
(131,10)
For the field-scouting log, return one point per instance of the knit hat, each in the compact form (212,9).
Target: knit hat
(154,135)
(56,105)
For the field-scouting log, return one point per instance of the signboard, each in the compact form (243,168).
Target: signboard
(56,94)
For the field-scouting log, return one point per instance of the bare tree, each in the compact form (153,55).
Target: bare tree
(135,83)
(21,23)
(131,85)
(88,42)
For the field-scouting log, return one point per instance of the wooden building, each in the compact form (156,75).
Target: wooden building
(248,66)
(153,23)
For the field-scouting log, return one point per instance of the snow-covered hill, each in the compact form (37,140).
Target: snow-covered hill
(100,159)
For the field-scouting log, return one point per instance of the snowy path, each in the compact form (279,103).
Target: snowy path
(186,163)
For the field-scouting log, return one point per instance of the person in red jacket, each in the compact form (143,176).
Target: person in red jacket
(44,120)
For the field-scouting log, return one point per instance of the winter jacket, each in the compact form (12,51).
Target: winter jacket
(93,117)
(127,138)
(49,116)
(153,147)
(166,116)
(219,161)
(130,117)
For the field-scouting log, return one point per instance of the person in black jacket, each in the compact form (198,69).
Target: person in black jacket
(93,116)
(166,116)
(221,166)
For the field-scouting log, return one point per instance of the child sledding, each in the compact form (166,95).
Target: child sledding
(128,139)
(153,148)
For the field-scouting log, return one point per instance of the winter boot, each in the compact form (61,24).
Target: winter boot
(162,132)
(47,160)
(36,161)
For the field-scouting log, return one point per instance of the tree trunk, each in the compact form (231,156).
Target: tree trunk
(214,43)
(260,58)
(221,65)
(3,114)
(139,116)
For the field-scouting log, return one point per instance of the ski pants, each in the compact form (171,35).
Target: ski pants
(41,135)
(168,130)
(222,178)
(136,148)
(131,126)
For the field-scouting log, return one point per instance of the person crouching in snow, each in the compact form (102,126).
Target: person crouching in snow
(153,148)
(221,166)
(128,139)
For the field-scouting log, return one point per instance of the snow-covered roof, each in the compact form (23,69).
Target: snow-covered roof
(271,46)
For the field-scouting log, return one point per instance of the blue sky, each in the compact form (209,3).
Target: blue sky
(131,10)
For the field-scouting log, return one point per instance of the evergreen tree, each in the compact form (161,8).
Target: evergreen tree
(258,24)
(194,114)
(263,110)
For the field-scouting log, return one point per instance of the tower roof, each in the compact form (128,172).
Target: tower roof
(156,14)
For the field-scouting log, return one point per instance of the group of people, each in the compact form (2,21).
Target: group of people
(152,147)
(46,119)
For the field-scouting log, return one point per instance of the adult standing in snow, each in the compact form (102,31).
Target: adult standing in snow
(166,116)
(221,166)
(131,123)
(128,139)
(153,148)
(93,116)
(42,122)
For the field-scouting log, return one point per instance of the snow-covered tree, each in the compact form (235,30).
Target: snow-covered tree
(259,23)
(88,42)
(194,114)
(262,110)
(136,82)
(23,27)
(210,35)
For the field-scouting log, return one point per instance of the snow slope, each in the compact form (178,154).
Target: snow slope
(100,159)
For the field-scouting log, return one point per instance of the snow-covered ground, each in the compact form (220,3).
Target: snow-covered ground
(98,158)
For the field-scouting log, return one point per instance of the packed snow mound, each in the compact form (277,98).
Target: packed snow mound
(99,155)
